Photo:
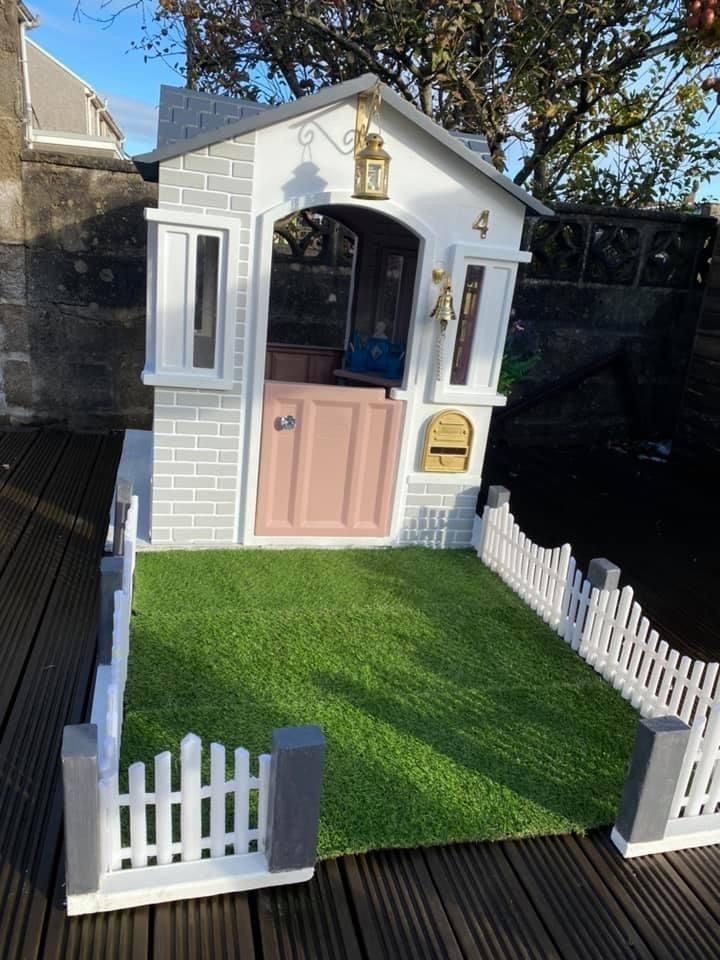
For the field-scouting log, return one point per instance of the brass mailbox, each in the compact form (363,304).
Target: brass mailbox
(448,441)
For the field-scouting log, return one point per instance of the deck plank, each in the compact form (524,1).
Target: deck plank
(311,921)
(216,928)
(657,900)
(67,638)
(581,916)
(54,498)
(490,912)
(400,913)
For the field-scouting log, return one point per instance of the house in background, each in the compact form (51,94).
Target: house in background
(369,426)
(62,113)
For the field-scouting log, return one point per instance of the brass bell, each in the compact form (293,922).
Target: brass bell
(444,311)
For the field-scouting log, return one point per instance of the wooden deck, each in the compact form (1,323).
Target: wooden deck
(544,899)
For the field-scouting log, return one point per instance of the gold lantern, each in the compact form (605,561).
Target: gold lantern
(372,168)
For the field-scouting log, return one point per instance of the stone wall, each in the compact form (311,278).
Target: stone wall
(72,275)
(72,296)
(600,279)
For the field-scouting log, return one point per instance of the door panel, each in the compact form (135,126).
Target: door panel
(333,475)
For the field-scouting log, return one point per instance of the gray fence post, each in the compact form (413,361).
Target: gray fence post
(82,809)
(660,745)
(497,496)
(123,497)
(296,771)
(111,569)
(603,574)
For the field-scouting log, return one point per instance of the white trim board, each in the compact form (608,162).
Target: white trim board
(140,886)
(667,844)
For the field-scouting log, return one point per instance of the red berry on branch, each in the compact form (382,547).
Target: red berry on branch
(256,26)
(695,7)
(707,18)
(693,21)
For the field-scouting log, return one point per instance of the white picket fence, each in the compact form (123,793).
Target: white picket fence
(159,844)
(608,630)
(110,680)
(181,838)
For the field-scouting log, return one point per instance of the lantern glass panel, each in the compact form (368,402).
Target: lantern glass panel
(375,171)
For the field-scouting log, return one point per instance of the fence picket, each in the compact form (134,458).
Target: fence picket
(264,783)
(618,638)
(604,634)
(514,556)
(713,795)
(623,677)
(138,820)
(654,680)
(107,814)
(677,808)
(707,695)
(668,678)
(557,599)
(692,691)
(705,766)
(241,821)
(217,800)
(524,566)
(645,668)
(679,686)
(191,805)
(163,807)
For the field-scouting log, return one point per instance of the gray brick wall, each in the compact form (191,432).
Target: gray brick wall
(196,465)
(439,513)
(185,113)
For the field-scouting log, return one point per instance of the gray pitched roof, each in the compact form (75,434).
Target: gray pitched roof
(325,98)
(185,113)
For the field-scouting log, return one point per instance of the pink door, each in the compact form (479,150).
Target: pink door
(328,461)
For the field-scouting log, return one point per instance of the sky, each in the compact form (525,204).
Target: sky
(101,55)
(103,58)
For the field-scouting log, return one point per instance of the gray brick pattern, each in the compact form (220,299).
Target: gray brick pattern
(439,513)
(185,113)
(197,432)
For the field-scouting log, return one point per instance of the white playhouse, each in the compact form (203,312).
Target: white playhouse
(329,289)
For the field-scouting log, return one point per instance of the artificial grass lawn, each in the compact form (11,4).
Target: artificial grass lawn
(451,711)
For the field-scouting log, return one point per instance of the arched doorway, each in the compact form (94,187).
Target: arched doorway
(339,316)
(341,294)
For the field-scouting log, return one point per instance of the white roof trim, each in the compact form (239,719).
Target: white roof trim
(327,97)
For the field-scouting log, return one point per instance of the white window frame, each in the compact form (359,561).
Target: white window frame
(166,335)
(496,294)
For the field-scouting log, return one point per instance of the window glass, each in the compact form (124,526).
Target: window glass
(467,321)
(207,255)
(391,276)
